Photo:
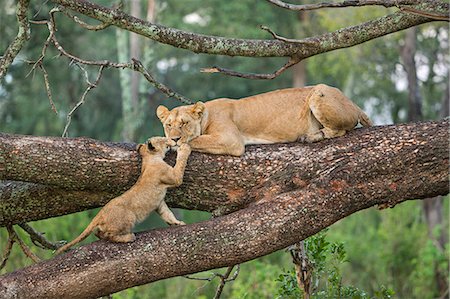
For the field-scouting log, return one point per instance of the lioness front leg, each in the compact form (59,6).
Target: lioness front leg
(167,215)
(213,144)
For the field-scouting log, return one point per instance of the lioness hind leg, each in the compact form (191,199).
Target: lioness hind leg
(324,133)
(333,110)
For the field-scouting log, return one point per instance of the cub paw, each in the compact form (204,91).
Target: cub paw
(179,223)
(184,148)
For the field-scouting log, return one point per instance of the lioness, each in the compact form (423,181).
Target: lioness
(225,126)
(117,218)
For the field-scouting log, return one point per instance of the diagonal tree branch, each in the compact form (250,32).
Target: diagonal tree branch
(346,175)
(199,43)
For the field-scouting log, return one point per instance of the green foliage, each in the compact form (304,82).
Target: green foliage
(326,259)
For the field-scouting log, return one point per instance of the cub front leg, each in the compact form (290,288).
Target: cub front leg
(174,176)
(167,215)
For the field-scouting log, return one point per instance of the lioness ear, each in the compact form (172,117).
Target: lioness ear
(197,110)
(162,113)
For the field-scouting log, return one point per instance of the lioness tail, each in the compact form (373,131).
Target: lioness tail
(364,120)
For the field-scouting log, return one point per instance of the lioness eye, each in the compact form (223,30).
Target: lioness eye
(169,125)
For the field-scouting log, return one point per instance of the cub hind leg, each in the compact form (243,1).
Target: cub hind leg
(333,110)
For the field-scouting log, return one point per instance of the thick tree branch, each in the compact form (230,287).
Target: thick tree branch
(69,175)
(320,184)
(198,43)
(22,36)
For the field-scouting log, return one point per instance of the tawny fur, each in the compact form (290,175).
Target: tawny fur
(117,218)
(225,126)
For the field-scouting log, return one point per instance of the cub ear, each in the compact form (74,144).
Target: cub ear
(150,146)
(138,147)
(162,112)
(197,110)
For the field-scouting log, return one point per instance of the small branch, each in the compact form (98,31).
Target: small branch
(9,245)
(85,25)
(83,97)
(38,238)
(215,69)
(13,237)
(224,278)
(137,66)
(47,88)
(287,40)
(23,35)
(347,3)
(434,16)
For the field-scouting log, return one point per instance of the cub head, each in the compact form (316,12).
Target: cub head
(155,145)
(182,124)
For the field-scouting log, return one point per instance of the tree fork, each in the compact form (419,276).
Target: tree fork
(375,166)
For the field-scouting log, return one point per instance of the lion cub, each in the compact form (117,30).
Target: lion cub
(116,219)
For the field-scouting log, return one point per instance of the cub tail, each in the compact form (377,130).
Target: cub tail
(88,230)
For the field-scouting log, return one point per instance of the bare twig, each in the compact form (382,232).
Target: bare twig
(83,97)
(292,61)
(13,237)
(22,36)
(434,16)
(224,278)
(85,25)
(38,238)
(287,40)
(137,66)
(347,3)
(27,249)
(9,245)
(47,88)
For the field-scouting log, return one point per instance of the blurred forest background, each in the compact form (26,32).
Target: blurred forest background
(396,249)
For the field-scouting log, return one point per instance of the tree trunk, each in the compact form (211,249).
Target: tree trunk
(432,207)
(287,192)
(408,53)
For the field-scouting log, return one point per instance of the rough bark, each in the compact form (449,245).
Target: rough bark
(199,43)
(71,175)
(301,189)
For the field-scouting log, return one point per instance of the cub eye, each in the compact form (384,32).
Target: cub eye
(169,125)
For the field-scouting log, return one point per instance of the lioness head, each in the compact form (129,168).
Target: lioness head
(155,144)
(182,124)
